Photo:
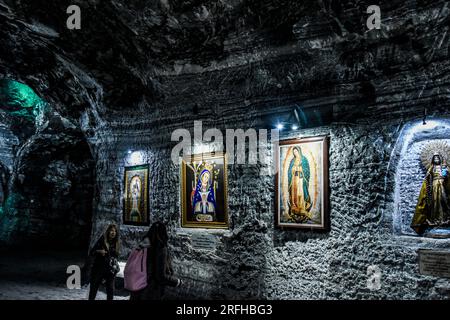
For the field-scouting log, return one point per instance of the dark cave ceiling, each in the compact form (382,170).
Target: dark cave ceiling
(160,32)
(126,45)
(121,42)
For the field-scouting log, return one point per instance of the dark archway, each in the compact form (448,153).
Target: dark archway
(47,194)
(55,179)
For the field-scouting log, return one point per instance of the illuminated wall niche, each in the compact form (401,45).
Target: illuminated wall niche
(408,173)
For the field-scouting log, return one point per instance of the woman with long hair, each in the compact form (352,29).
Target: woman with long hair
(159,265)
(105,253)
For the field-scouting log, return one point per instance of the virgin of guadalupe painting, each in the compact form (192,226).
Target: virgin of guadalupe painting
(203,192)
(136,196)
(302,183)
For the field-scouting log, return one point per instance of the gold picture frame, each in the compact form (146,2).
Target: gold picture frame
(204,191)
(301,183)
(135,208)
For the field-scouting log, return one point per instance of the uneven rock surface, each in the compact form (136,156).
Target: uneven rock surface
(137,71)
(42,275)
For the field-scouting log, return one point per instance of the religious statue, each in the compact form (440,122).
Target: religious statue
(135,188)
(433,207)
(298,181)
(203,197)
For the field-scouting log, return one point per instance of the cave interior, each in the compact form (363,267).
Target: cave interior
(80,106)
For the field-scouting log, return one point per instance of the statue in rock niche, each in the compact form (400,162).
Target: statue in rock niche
(432,214)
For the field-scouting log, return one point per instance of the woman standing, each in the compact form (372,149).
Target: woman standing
(159,266)
(105,267)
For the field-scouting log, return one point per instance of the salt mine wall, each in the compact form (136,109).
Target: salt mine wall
(370,91)
(255,259)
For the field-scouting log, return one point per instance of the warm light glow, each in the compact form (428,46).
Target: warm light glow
(418,128)
(428,124)
(202,148)
(136,158)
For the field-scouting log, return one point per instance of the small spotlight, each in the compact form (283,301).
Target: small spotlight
(294,127)
(280,126)
(129,151)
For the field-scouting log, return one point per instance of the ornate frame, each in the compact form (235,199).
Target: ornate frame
(325,209)
(209,225)
(127,173)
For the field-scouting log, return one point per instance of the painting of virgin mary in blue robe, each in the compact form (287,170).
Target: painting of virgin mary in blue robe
(203,198)
(204,192)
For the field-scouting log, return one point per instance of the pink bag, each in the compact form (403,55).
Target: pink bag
(135,272)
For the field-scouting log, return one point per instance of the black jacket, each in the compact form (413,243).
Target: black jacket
(159,273)
(101,263)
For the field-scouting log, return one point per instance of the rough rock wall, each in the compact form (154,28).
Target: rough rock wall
(335,265)
(253,259)
(377,84)
(245,76)
(8,144)
(50,163)
(47,177)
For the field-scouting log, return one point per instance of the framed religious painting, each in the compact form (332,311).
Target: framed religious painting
(204,191)
(135,209)
(302,197)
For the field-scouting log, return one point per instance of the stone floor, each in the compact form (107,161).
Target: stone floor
(41,275)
